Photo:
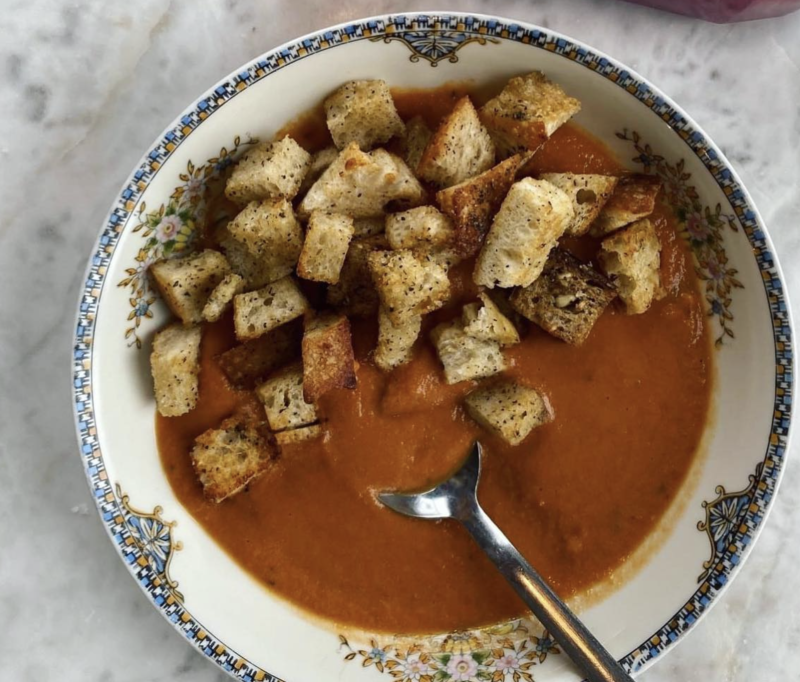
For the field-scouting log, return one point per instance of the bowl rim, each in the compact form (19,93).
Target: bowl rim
(695,138)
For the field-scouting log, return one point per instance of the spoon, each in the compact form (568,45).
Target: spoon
(456,498)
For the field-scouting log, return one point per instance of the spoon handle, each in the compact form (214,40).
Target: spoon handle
(580,645)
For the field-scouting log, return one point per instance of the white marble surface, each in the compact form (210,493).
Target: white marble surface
(87,86)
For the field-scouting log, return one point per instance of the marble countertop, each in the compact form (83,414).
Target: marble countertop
(89,85)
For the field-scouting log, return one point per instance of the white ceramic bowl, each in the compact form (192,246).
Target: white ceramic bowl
(215,604)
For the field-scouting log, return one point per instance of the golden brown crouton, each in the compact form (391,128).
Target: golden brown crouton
(248,363)
(485,321)
(304,433)
(222,296)
(363,112)
(460,149)
(567,299)
(421,228)
(268,171)
(175,364)
(633,198)
(395,341)
(227,458)
(631,257)
(186,283)
(254,272)
(327,239)
(319,162)
(328,360)
(282,396)
(589,193)
(257,312)
(509,410)
(417,137)
(355,294)
(463,356)
(533,216)
(528,111)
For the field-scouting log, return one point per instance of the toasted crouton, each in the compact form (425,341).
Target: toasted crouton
(528,111)
(485,321)
(368,227)
(408,283)
(328,360)
(175,364)
(222,296)
(472,203)
(509,410)
(464,357)
(360,184)
(355,294)
(417,137)
(268,171)
(363,112)
(395,341)
(460,149)
(633,198)
(282,396)
(319,162)
(257,312)
(254,272)
(248,363)
(589,193)
(327,239)
(304,433)
(567,299)
(631,257)
(419,228)
(533,216)
(229,457)
(186,283)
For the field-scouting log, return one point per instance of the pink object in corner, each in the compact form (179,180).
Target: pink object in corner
(725,11)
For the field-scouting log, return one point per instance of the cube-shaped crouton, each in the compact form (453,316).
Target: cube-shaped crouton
(631,257)
(460,149)
(271,234)
(304,433)
(175,364)
(395,341)
(328,359)
(589,193)
(282,396)
(360,184)
(421,228)
(254,272)
(533,216)
(319,162)
(567,299)
(417,137)
(268,171)
(257,312)
(472,204)
(248,363)
(634,198)
(485,321)
(327,240)
(368,227)
(528,111)
(408,283)
(363,112)
(186,283)
(355,294)
(222,296)
(509,410)
(464,357)
(227,458)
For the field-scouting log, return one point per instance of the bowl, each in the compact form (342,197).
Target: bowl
(223,612)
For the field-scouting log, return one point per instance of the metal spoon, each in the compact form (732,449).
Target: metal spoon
(456,498)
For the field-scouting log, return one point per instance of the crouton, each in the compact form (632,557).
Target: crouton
(304,433)
(360,184)
(254,272)
(395,341)
(417,137)
(355,294)
(257,312)
(419,228)
(368,227)
(248,363)
(589,193)
(408,283)
(327,240)
(282,396)
(319,162)
(472,203)
(186,283)
(363,112)
(528,111)
(222,296)
(328,360)
(268,171)
(460,149)
(567,299)
(227,458)
(509,410)
(633,198)
(463,356)
(271,234)
(530,221)
(485,321)
(175,364)
(631,257)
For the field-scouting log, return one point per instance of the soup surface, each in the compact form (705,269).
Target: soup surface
(577,497)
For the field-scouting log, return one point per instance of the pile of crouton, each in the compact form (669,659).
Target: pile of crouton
(381,230)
